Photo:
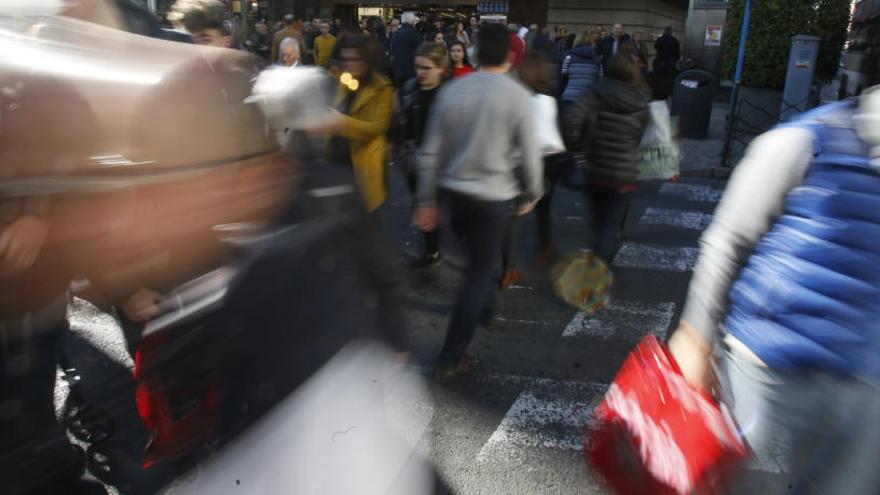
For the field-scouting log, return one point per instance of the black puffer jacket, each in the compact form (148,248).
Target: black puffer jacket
(608,125)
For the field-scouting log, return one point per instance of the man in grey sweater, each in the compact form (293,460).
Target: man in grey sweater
(480,155)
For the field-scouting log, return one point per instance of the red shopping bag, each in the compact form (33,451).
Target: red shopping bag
(654,433)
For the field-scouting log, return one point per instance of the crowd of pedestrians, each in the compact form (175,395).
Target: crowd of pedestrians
(484,120)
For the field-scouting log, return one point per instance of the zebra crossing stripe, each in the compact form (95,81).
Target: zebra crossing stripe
(547,414)
(625,320)
(693,192)
(686,219)
(651,257)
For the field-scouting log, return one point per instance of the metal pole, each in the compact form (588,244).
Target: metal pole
(243,22)
(737,80)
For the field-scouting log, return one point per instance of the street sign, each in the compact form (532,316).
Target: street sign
(713,35)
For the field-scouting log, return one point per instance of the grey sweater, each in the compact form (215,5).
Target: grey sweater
(480,142)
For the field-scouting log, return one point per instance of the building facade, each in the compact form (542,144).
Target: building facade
(647,16)
(707,20)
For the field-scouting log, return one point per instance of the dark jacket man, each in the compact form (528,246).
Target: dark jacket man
(403,53)
(607,47)
(668,49)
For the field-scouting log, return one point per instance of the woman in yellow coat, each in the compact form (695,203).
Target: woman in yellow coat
(363,109)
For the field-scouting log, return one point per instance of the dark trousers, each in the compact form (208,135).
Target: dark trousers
(543,207)
(431,239)
(510,244)
(608,209)
(480,226)
(542,215)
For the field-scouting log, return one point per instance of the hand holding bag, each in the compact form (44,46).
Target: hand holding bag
(655,433)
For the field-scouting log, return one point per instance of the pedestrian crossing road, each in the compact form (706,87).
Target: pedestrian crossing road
(516,425)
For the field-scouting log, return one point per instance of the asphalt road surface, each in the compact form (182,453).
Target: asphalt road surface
(516,426)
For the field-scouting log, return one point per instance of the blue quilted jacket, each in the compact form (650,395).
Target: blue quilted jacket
(809,296)
(583,67)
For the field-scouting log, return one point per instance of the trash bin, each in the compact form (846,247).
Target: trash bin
(692,103)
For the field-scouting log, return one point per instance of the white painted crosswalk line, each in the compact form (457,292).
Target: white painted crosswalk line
(686,219)
(651,257)
(625,320)
(547,414)
(693,192)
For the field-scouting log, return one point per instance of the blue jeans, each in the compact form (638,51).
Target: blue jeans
(480,226)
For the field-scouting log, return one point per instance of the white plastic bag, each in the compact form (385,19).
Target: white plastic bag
(660,154)
(659,128)
(546,126)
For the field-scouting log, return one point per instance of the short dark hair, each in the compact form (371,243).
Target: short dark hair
(493,44)
(200,15)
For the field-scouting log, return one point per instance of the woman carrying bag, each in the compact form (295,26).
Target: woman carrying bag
(360,118)
(534,72)
(607,126)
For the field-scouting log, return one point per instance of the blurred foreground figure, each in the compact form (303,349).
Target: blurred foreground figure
(159,184)
(113,171)
(787,294)
(480,152)
(204,20)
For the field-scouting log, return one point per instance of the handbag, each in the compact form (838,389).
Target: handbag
(659,153)
(655,433)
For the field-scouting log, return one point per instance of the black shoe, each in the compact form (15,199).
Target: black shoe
(427,261)
(448,374)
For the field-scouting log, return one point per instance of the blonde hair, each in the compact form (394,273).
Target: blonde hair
(585,37)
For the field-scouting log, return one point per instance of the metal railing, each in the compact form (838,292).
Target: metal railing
(748,120)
